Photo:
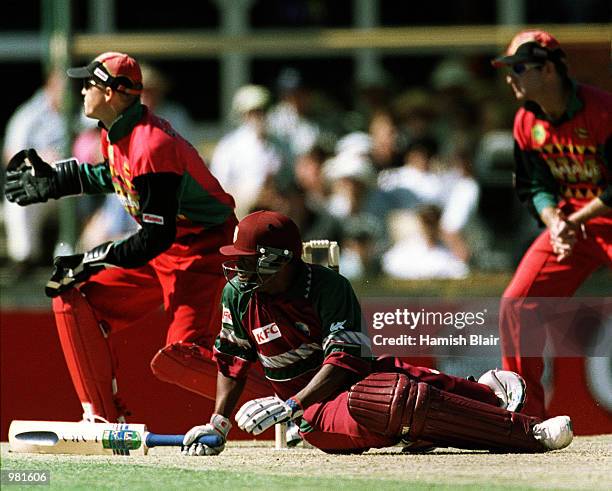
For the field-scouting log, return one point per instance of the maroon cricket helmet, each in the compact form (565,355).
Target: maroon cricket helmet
(264,229)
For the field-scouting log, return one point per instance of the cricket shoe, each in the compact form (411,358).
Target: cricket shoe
(418,447)
(293,434)
(554,433)
(509,387)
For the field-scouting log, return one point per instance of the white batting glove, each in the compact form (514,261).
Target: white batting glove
(218,426)
(258,415)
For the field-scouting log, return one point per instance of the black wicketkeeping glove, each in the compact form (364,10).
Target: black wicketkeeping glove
(68,271)
(29,179)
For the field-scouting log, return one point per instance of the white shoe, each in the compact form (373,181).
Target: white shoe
(554,433)
(293,434)
(509,387)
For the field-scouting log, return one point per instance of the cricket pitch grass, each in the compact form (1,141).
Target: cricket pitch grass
(585,464)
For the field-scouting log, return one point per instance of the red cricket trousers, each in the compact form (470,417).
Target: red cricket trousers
(522,330)
(187,280)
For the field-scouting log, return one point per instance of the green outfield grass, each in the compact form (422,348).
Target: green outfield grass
(586,464)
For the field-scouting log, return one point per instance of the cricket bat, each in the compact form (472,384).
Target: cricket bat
(63,437)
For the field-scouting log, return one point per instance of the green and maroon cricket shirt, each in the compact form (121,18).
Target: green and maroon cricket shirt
(318,320)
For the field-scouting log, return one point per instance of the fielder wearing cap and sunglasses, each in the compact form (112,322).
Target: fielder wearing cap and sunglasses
(174,260)
(563,156)
(303,323)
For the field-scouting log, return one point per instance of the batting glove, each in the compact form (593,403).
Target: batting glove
(29,179)
(258,415)
(218,426)
(68,271)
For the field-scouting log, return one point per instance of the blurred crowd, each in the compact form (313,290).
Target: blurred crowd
(397,180)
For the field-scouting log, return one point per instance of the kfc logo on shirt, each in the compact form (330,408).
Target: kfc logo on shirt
(267,333)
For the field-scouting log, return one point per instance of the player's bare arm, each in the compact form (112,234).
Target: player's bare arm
(229,390)
(328,380)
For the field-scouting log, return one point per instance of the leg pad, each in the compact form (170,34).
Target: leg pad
(380,403)
(88,354)
(452,420)
(393,405)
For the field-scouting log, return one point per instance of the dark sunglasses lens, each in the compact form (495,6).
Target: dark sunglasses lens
(519,68)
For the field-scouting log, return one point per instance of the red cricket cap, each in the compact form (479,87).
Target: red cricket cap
(116,70)
(264,229)
(530,46)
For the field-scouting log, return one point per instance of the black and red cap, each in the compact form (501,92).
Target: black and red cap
(264,229)
(532,46)
(118,71)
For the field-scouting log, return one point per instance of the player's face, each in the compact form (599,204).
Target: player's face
(525,79)
(93,98)
(245,270)
(260,271)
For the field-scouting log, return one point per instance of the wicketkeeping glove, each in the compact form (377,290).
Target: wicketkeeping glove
(68,271)
(218,426)
(258,415)
(29,179)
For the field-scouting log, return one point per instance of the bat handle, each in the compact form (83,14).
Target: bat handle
(155,440)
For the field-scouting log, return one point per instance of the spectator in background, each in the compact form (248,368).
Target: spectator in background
(289,120)
(415,113)
(456,121)
(460,198)
(247,156)
(361,247)
(352,179)
(313,219)
(386,150)
(415,182)
(309,175)
(423,256)
(37,123)
(356,201)
(154,96)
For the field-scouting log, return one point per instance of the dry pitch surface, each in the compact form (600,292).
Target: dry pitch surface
(586,464)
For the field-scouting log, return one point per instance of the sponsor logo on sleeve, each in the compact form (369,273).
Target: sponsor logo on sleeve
(300,326)
(226,316)
(337,326)
(149,218)
(266,333)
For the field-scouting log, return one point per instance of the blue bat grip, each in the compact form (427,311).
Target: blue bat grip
(155,440)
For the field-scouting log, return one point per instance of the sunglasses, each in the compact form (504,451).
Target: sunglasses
(88,83)
(520,68)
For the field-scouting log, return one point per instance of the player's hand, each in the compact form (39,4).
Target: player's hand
(563,236)
(218,426)
(258,415)
(29,179)
(69,271)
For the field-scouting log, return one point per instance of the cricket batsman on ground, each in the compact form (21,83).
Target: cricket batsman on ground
(563,154)
(174,259)
(303,323)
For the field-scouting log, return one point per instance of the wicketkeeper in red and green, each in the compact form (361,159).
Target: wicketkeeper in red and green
(174,260)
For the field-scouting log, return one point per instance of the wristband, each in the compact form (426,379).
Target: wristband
(296,407)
